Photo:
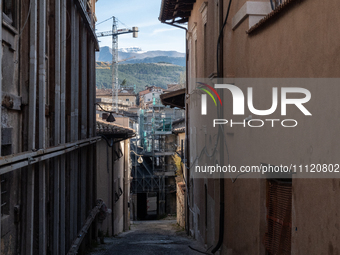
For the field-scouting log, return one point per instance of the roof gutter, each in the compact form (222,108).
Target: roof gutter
(161,11)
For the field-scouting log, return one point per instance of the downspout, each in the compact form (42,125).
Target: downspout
(113,192)
(219,67)
(63,42)
(57,103)
(42,124)
(0,92)
(186,118)
(220,74)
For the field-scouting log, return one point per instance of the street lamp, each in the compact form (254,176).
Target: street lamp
(110,118)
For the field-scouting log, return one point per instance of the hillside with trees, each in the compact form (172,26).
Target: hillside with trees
(141,74)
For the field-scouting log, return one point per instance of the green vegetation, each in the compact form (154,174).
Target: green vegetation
(142,74)
(159,59)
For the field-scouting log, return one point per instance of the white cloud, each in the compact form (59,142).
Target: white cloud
(161,30)
(149,23)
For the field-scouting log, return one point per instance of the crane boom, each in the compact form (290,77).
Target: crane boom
(119,32)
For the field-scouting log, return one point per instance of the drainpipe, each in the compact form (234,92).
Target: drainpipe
(31,125)
(220,74)
(56,181)
(63,35)
(32,75)
(113,190)
(42,124)
(187,176)
(0,92)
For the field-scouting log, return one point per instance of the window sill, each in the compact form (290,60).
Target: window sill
(9,28)
(254,11)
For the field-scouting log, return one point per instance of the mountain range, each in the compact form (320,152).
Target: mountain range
(136,55)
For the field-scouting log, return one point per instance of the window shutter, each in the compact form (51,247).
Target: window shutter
(279,218)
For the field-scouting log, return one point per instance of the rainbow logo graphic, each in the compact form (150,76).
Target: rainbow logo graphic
(204,97)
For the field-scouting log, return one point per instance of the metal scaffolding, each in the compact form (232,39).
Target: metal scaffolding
(156,143)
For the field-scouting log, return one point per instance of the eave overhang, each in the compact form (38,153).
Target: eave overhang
(176,11)
(174,99)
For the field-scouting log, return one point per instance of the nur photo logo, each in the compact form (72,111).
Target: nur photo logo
(239,100)
(204,97)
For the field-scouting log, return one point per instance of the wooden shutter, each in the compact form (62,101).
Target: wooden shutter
(279,217)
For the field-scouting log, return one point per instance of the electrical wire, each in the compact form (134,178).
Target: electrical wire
(222,190)
(219,38)
(28,15)
(209,248)
(109,144)
(69,19)
(198,250)
(136,153)
(103,108)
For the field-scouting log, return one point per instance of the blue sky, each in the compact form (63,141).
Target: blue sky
(153,35)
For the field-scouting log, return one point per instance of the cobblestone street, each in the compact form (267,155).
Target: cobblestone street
(148,238)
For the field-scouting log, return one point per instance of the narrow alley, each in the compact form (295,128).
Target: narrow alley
(149,237)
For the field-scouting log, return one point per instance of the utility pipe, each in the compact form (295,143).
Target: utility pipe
(63,32)
(56,181)
(42,125)
(220,74)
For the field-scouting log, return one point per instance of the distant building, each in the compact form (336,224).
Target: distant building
(127,96)
(146,96)
(114,173)
(126,99)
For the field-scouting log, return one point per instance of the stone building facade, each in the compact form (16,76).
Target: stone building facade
(261,39)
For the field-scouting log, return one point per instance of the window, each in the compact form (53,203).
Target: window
(127,100)
(279,216)
(276,3)
(6,149)
(8,11)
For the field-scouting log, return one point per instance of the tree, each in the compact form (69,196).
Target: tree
(182,79)
(123,83)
